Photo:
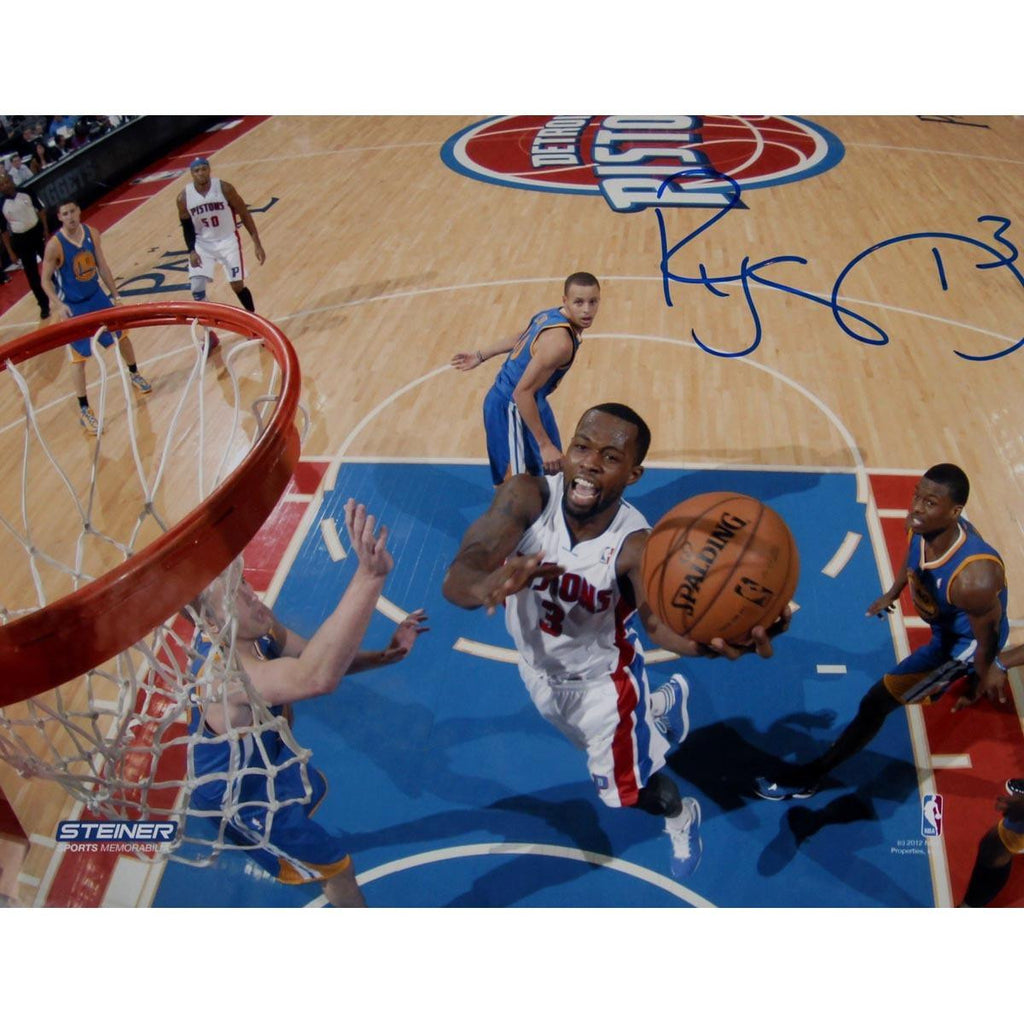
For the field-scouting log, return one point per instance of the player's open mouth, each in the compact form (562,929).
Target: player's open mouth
(583,493)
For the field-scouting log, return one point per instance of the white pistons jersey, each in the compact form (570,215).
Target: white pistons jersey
(576,628)
(212,216)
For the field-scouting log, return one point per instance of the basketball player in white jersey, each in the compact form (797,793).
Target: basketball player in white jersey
(563,553)
(207,208)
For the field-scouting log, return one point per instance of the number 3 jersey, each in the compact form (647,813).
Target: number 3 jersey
(211,214)
(579,626)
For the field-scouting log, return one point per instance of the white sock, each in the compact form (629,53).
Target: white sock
(661,701)
(681,820)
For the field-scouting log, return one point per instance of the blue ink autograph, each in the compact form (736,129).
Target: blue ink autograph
(850,322)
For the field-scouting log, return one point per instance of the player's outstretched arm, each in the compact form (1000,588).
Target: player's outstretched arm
(471,360)
(887,602)
(485,571)
(327,655)
(402,641)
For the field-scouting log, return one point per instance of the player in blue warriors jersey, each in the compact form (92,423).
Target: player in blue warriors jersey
(73,266)
(282,668)
(522,434)
(958,585)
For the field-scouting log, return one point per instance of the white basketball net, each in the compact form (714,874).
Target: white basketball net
(118,738)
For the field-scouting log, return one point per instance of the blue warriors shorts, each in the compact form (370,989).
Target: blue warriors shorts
(80,350)
(285,842)
(511,448)
(928,673)
(1012,835)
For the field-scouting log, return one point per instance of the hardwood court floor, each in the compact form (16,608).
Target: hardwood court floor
(382,261)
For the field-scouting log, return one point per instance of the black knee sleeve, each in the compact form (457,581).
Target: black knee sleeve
(660,797)
(245,298)
(991,871)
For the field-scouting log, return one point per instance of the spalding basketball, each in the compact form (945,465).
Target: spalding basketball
(720,564)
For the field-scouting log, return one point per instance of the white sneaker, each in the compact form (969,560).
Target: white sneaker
(687,845)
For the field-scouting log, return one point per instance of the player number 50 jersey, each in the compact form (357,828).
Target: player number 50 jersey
(212,216)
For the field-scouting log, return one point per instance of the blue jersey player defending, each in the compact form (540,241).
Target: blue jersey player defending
(73,260)
(284,667)
(522,435)
(958,585)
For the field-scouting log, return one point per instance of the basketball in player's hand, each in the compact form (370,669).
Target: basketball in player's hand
(719,564)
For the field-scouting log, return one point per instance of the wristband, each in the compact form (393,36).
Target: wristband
(998,664)
(188,229)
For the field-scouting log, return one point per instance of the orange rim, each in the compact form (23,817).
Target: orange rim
(77,632)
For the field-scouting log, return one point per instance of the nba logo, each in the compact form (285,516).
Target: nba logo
(931,815)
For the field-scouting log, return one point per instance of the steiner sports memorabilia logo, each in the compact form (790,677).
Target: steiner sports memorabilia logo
(638,162)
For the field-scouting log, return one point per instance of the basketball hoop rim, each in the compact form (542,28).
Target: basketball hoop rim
(83,629)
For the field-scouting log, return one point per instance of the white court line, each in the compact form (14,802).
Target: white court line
(843,554)
(509,655)
(390,610)
(670,886)
(931,152)
(329,532)
(831,670)
(489,651)
(951,761)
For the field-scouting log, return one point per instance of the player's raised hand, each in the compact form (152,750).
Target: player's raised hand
(515,575)
(886,603)
(404,637)
(369,546)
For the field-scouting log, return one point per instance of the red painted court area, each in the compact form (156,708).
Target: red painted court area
(988,735)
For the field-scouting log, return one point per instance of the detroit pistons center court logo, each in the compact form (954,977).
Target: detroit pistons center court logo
(637,162)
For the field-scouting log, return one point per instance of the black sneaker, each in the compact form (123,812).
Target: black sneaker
(1015,787)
